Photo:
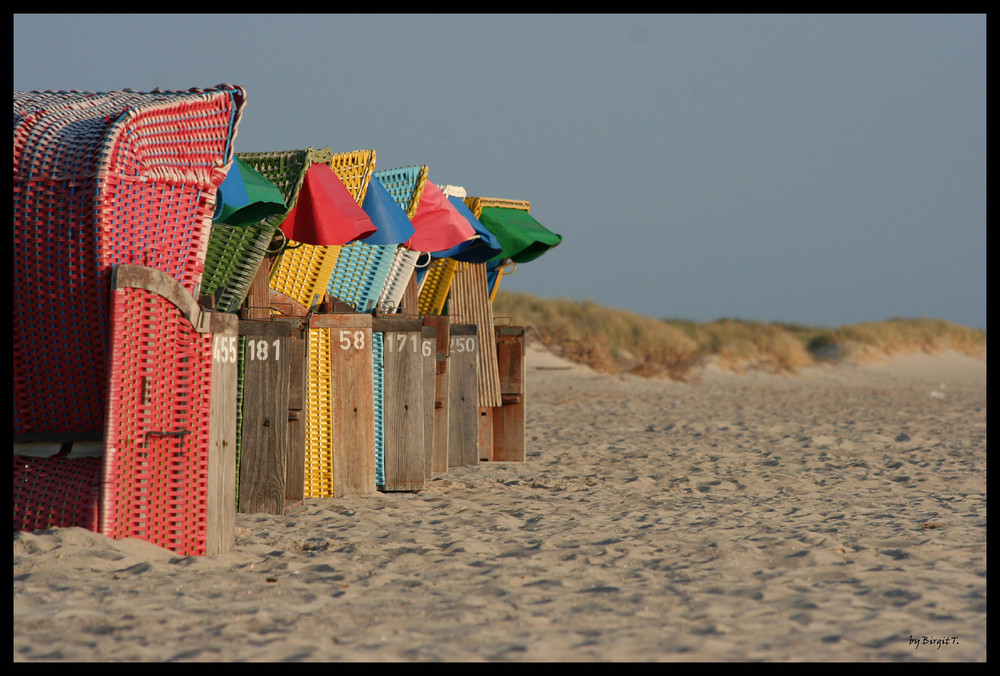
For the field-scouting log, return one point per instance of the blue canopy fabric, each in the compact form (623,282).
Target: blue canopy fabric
(478,250)
(393,226)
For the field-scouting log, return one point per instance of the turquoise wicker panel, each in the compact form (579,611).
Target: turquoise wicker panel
(379,413)
(360,273)
(402,184)
(240,379)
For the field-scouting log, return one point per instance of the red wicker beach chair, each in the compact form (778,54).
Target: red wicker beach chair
(102,179)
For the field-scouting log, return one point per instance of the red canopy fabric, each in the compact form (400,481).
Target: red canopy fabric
(437,224)
(326,213)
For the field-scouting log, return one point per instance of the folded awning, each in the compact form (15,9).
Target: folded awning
(246,197)
(521,237)
(481,248)
(393,226)
(438,224)
(326,213)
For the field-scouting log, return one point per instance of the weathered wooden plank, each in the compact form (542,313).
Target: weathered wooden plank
(162,284)
(255,305)
(295,457)
(429,360)
(485,432)
(283,308)
(353,404)
(442,413)
(264,436)
(470,300)
(220,527)
(402,403)
(508,418)
(463,422)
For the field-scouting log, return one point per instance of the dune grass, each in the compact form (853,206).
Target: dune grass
(617,341)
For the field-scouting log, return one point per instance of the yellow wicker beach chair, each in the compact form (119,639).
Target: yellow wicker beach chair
(303,271)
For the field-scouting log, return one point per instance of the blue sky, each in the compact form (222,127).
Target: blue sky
(815,169)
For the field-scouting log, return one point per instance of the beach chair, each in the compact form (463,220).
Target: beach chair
(303,271)
(242,233)
(164,471)
(364,268)
(521,238)
(436,280)
(342,415)
(405,185)
(400,396)
(102,179)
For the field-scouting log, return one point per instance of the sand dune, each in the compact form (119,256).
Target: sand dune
(838,515)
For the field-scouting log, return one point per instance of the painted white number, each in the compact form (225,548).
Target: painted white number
(463,344)
(224,349)
(257,350)
(427,349)
(347,340)
(401,342)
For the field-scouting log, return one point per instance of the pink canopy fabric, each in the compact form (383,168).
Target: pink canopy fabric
(438,225)
(326,213)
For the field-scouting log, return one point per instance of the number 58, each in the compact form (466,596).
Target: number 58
(347,339)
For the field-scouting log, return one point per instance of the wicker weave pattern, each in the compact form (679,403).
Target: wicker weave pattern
(304,270)
(470,300)
(404,263)
(172,137)
(304,273)
(56,493)
(156,457)
(396,264)
(235,252)
(406,185)
(360,274)
(476,204)
(378,361)
(102,179)
(319,436)
(435,286)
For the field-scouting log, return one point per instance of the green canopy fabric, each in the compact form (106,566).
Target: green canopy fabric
(246,197)
(521,237)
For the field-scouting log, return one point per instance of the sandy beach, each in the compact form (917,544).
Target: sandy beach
(834,515)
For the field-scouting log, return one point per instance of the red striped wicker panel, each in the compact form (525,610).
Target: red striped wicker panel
(102,179)
(56,493)
(157,434)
